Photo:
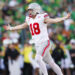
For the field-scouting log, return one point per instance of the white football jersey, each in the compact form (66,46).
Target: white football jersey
(38,28)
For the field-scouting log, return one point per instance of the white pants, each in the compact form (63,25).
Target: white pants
(14,67)
(43,49)
(43,55)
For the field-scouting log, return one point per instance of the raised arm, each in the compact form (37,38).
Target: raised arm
(56,20)
(21,26)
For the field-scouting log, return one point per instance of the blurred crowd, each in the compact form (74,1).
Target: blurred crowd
(17,54)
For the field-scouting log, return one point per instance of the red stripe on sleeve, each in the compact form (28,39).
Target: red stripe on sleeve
(46,15)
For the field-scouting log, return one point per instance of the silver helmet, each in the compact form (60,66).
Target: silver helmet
(36,8)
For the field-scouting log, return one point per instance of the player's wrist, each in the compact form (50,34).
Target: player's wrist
(11,28)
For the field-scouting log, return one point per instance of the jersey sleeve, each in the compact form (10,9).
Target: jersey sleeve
(45,15)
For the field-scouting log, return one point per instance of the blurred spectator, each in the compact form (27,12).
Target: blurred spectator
(58,54)
(6,42)
(7,11)
(66,62)
(73,13)
(46,1)
(5,36)
(1,18)
(14,35)
(13,3)
(8,19)
(70,1)
(10,54)
(72,53)
(66,33)
(16,44)
(28,69)
(1,4)
(33,62)
(67,23)
(1,62)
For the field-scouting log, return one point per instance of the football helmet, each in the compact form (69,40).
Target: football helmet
(36,8)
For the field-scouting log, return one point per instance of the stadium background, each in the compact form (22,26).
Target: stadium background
(16,53)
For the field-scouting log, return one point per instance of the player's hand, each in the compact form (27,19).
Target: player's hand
(68,15)
(7,27)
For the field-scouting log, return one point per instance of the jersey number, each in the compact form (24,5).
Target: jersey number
(35,29)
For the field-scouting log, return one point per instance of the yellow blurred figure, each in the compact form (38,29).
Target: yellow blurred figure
(27,50)
(27,70)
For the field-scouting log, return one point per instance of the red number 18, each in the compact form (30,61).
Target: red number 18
(35,29)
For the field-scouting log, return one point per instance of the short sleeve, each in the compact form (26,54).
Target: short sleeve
(46,15)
